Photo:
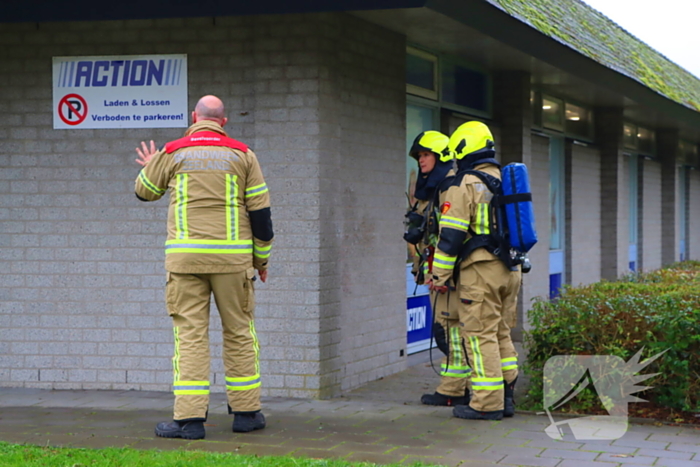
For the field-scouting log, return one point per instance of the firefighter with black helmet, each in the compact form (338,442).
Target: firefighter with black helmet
(435,165)
(487,287)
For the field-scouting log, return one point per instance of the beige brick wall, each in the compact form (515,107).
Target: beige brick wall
(81,283)
(536,282)
(650,249)
(585,216)
(362,109)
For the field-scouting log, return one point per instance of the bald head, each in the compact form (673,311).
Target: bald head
(209,108)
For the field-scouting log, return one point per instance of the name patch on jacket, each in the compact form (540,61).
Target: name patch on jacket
(205,138)
(201,159)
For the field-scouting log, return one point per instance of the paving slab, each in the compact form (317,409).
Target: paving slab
(383,422)
(676,463)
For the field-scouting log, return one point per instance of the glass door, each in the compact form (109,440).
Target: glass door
(557,212)
(633,171)
(419,319)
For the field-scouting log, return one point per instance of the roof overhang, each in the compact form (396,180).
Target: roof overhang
(487,19)
(89,10)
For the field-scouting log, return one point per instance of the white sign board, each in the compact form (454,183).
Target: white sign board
(126,91)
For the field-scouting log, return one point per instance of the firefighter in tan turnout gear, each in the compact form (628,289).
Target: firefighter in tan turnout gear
(487,288)
(219,234)
(435,165)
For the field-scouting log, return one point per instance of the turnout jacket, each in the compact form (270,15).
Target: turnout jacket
(420,260)
(219,211)
(465,212)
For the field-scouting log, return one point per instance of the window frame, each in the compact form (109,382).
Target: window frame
(559,127)
(649,155)
(456,61)
(435,97)
(432,94)
(536,100)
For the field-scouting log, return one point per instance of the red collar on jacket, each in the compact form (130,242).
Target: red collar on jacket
(205,138)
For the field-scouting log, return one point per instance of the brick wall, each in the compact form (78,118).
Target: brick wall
(81,282)
(650,191)
(667,147)
(584,218)
(363,175)
(614,199)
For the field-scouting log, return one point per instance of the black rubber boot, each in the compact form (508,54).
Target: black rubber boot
(243,422)
(465,411)
(441,399)
(184,430)
(509,400)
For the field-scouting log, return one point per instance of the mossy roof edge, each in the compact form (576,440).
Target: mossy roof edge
(589,32)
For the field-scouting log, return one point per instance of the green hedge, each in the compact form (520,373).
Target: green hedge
(657,311)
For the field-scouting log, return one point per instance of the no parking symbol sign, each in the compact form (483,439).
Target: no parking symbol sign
(72,109)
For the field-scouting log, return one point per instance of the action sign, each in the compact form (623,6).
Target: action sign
(127,91)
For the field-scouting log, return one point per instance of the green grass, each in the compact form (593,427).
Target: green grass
(38,456)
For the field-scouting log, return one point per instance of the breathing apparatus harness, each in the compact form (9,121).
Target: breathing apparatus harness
(497,240)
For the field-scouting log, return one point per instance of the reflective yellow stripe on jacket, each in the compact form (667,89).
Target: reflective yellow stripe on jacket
(181,199)
(262,251)
(150,186)
(209,246)
(454,222)
(481,226)
(444,262)
(255,190)
(231,207)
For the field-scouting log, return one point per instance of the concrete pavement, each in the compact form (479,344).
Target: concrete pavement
(382,422)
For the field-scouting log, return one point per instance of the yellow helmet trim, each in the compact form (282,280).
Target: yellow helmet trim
(433,141)
(469,138)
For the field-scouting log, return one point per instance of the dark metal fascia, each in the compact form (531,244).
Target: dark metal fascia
(91,10)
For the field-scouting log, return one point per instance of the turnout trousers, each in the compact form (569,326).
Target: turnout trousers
(454,368)
(188,298)
(489,296)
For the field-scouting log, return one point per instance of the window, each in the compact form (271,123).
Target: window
(418,119)
(690,155)
(557,210)
(642,140)
(450,84)
(629,137)
(682,212)
(552,113)
(421,73)
(578,120)
(646,140)
(536,104)
(464,87)
(633,187)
